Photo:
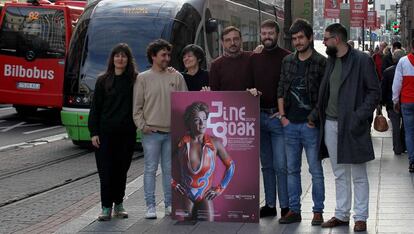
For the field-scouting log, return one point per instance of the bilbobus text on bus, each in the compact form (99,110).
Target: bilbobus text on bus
(34,37)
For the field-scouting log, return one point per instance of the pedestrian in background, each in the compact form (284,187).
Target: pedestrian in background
(195,77)
(398,139)
(348,95)
(298,91)
(378,57)
(112,128)
(403,98)
(152,115)
(388,60)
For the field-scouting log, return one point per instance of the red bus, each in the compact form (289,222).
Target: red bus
(34,38)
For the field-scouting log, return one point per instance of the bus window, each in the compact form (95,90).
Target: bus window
(39,30)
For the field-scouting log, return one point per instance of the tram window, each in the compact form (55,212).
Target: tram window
(253,34)
(267,8)
(100,45)
(249,3)
(235,21)
(76,52)
(200,42)
(213,42)
(73,63)
(183,32)
(200,38)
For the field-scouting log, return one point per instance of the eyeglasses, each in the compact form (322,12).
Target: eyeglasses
(327,38)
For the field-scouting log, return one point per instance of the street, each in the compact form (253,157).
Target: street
(38,183)
(14,129)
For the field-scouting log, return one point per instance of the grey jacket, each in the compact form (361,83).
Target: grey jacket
(359,94)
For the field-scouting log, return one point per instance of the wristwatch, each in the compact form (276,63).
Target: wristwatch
(281,116)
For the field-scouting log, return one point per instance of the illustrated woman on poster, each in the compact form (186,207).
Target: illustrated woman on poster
(196,155)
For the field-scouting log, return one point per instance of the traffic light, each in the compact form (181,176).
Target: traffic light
(395,27)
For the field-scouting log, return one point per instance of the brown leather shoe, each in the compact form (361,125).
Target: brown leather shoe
(290,217)
(334,222)
(317,219)
(360,226)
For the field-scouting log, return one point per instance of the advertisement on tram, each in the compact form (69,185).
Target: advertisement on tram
(215,141)
(33,46)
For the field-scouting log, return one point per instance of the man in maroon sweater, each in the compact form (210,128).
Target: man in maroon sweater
(229,72)
(264,72)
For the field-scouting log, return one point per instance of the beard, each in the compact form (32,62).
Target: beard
(304,49)
(269,46)
(331,51)
(232,50)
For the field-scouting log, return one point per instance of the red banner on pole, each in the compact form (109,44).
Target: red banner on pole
(357,23)
(372,19)
(359,9)
(332,9)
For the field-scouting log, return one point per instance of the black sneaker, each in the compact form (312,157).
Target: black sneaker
(411,168)
(267,211)
(284,211)
(290,217)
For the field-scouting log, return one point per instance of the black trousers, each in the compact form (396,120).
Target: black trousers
(113,159)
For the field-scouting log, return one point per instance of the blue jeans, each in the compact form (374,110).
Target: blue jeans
(407,110)
(157,146)
(297,137)
(273,160)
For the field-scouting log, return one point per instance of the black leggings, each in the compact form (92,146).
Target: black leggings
(113,159)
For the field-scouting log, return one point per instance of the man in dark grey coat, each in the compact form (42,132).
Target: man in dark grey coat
(349,94)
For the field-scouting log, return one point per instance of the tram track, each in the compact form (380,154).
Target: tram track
(42,165)
(66,182)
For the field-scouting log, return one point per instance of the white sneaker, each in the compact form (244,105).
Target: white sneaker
(168,211)
(151,213)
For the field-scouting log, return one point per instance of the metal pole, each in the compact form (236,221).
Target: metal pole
(363,36)
(287,24)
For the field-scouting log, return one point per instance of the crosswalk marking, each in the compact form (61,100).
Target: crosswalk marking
(18,125)
(41,130)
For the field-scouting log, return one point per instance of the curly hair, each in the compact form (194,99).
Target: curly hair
(192,110)
(155,47)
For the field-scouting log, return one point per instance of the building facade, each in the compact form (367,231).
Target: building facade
(406,25)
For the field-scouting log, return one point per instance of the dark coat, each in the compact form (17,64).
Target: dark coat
(359,95)
(386,87)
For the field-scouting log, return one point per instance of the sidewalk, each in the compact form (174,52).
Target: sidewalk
(391,204)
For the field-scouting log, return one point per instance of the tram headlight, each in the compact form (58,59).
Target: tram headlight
(78,100)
